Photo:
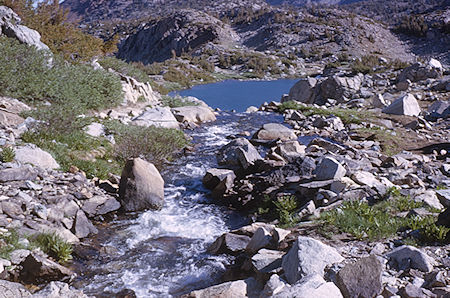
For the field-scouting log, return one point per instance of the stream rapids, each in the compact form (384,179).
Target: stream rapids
(163,253)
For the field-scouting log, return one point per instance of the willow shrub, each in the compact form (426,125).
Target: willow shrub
(33,75)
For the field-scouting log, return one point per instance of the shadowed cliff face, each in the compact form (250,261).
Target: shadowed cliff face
(178,33)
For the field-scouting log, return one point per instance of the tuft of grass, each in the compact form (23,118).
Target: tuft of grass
(54,246)
(128,69)
(380,221)
(389,142)
(347,115)
(176,101)
(155,144)
(11,243)
(7,154)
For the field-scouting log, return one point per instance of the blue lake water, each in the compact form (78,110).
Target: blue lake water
(239,95)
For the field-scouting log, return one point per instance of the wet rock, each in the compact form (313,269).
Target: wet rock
(444,197)
(13,290)
(83,227)
(100,205)
(239,289)
(303,91)
(17,174)
(406,105)
(159,117)
(260,239)
(38,269)
(267,261)
(141,186)
(311,286)
(126,293)
(273,286)
(194,114)
(405,257)
(239,153)
(329,168)
(229,243)
(361,279)
(219,181)
(308,257)
(275,131)
(59,289)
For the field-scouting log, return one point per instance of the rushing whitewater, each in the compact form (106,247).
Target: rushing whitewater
(163,253)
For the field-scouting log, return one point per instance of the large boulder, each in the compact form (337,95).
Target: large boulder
(17,174)
(311,286)
(57,289)
(275,131)
(235,289)
(9,26)
(159,117)
(219,181)
(339,88)
(10,112)
(329,168)
(405,105)
(405,257)
(361,279)
(13,290)
(303,91)
(135,91)
(194,114)
(308,257)
(239,153)
(35,156)
(141,186)
(36,269)
(420,71)
(229,243)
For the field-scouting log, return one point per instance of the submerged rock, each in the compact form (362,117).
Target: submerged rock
(141,186)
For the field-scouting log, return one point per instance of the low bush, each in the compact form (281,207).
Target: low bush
(176,101)
(33,75)
(155,144)
(347,115)
(381,220)
(128,69)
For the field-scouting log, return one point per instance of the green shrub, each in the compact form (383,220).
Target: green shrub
(176,101)
(155,144)
(347,115)
(285,207)
(379,221)
(7,155)
(33,75)
(54,246)
(128,69)
(413,25)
